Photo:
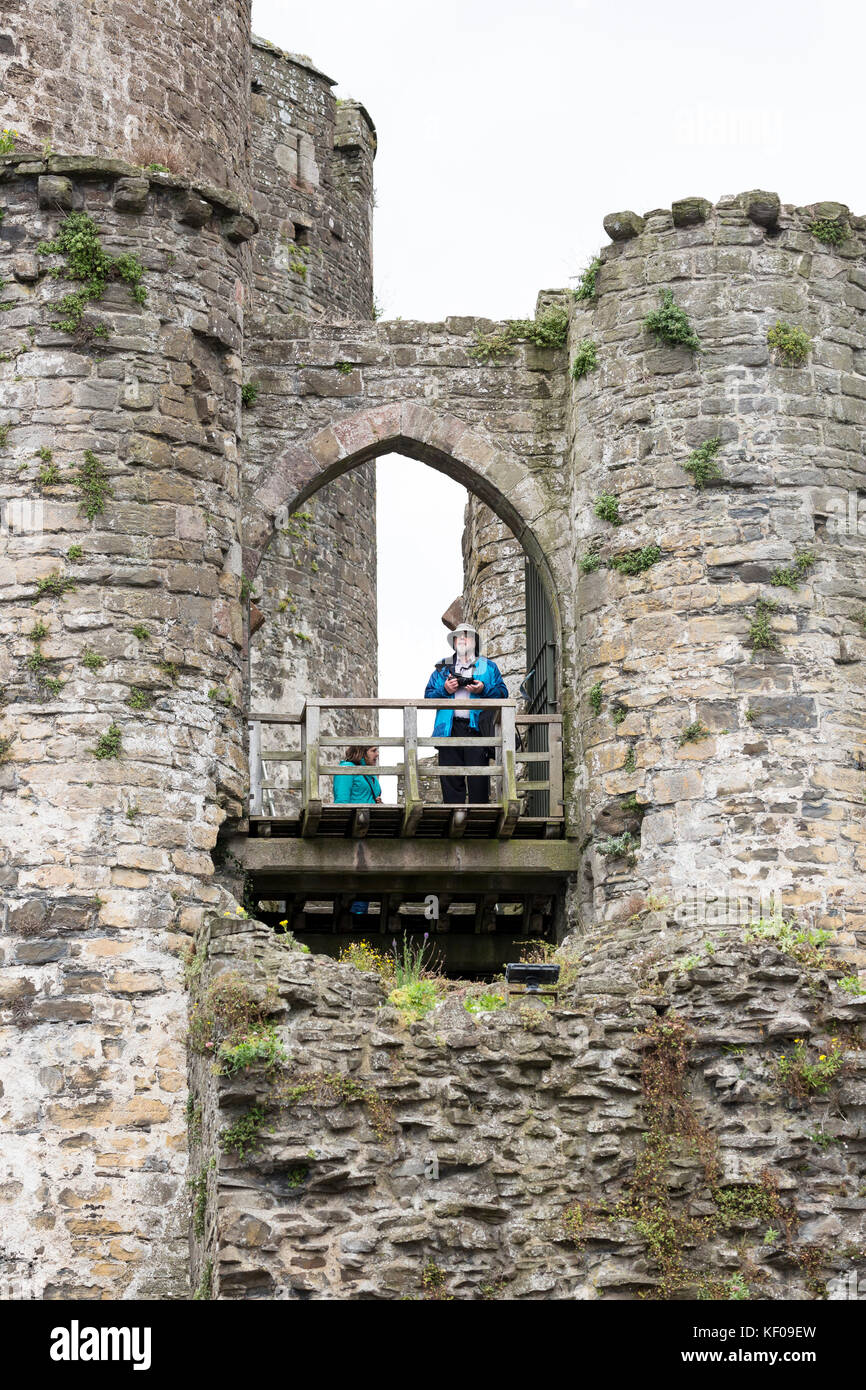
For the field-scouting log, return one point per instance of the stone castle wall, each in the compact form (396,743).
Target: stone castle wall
(313,179)
(635,1141)
(494,594)
(156,82)
(771,796)
(122,680)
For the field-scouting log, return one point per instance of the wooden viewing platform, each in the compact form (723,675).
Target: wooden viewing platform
(417,814)
(497,872)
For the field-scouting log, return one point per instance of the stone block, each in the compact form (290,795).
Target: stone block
(760,207)
(622,226)
(193,210)
(130,194)
(688,212)
(56,193)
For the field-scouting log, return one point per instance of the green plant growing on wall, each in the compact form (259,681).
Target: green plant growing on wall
(433,1284)
(92,660)
(74,553)
(109,744)
(618,713)
(245,1135)
(485,1002)
(490,347)
(38,632)
(791,343)
(702,463)
(6,743)
(249,394)
(630,764)
(48,475)
(792,576)
(590,562)
(693,733)
(141,632)
(204,1290)
(198,1190)
(762,638)
(804,944)
(415,1000)
(549,330)
(344,368)
(586,286)
(4,436)
(620,847)
(852,984)
(86,262)
(595,698)
(634,562)
(802,1076)
(298,257)
(53,585)
(170,670)
(139,699)
(585,359)
(7,140)
(92,482)
(860,617)
(669,324)
(606,507)
(828,230)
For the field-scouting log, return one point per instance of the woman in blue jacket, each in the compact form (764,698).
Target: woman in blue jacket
(362,787)
(467,676)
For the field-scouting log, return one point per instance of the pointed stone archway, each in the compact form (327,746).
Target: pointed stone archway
(523,499)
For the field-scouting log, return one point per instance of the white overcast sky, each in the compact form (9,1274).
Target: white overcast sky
(507,131)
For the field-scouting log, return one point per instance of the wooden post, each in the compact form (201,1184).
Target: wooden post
(509,805)
(555,769)
(411,787)
(312,800)
(256,768)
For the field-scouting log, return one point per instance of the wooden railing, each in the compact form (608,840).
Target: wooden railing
(316,751)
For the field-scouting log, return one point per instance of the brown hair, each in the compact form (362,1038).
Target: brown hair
(358,753)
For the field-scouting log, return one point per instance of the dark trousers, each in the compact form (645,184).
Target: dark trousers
(454,788)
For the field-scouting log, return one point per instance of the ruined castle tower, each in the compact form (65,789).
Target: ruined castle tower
(174,230)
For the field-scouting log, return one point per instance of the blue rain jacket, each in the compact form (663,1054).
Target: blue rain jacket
(361,788)
(494,689)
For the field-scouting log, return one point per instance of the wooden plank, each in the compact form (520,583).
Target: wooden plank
(509,805)
(347,740)
(557,804)
(256,769)
(411,786)
(459,742)
(358,703)
(279,755)
(275,718)
(312,800)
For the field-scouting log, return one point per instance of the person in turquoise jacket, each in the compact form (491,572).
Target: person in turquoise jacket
(466,676)
(362,787)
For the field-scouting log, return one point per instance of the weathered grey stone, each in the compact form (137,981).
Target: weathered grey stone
(130,194)
(239,227)
(689,212)
(55,192)
(193,210)
(622,226)
(761,207)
